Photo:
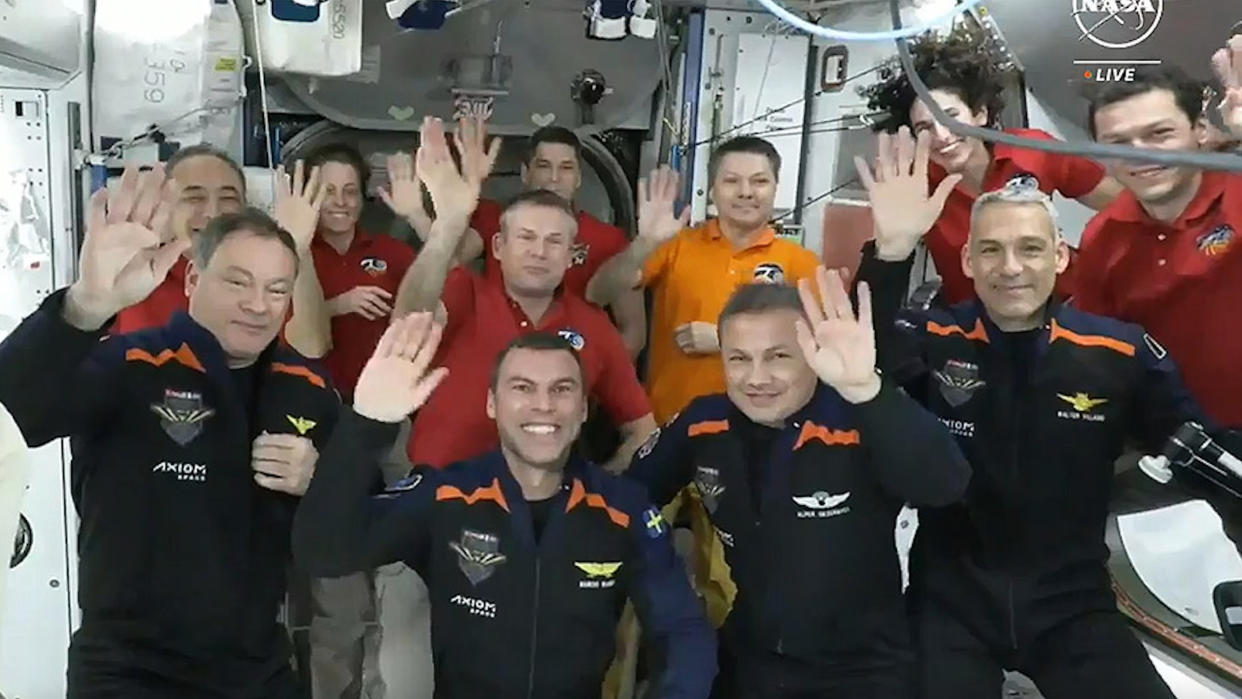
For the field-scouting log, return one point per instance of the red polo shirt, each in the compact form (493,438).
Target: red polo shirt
(595,243)
(1070,175)
(157,309)
(370,260)
(1180,281)
(482,319)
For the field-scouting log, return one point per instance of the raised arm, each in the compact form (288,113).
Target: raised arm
(630,312)
(903,212)
(1227,63)
(56,378)
(901,207)
(924,466)
(404,196)
(662,463)
(298,200)
(339,527)
(657,223)
(454,193)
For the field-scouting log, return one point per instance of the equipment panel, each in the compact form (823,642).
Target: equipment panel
(35,633)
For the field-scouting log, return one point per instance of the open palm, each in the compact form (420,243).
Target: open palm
(404,194)
(839,346)
(453,194)
(127,250)
(657,199)
(298,201)
(1227,64)
(897,189)
(395,381)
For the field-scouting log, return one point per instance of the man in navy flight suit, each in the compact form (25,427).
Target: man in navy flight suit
(192,445)
(803,466)
(529,551)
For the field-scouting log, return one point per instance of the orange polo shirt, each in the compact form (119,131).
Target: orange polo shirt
(691,278)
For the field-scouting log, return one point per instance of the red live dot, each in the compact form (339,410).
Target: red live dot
(1086,74)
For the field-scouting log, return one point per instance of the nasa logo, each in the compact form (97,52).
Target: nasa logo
(1117,24)
(575,339)
(1024,182)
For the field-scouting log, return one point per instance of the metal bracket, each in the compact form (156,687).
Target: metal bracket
(489,75)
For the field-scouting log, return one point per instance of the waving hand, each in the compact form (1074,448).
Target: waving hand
(838,345)
(395,381)
(1227,63)
(128,248)
(902,208)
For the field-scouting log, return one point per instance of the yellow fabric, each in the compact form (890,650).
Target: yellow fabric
(691,278)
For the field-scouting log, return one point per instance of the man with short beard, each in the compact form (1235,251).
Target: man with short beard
(529,552)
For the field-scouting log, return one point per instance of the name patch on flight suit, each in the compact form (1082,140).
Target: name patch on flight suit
(599,576)
(1081,406)
(821,504)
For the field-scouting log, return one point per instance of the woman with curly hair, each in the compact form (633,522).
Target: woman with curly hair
(968,83)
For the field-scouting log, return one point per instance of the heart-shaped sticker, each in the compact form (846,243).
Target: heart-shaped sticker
(401,113)
(543,119)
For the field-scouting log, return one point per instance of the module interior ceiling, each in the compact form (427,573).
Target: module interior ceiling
(545,41)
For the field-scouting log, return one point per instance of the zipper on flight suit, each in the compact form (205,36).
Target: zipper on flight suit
(534,629)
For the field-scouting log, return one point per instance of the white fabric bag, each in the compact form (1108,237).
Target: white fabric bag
(330,46)
(179,69)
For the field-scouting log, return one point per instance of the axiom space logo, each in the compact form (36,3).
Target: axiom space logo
(1117,24)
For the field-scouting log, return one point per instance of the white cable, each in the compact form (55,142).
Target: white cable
(1228,162)
(267,124)
(887,35)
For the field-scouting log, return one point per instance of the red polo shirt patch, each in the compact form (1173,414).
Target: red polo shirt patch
(482,320)
(370,260)
(595,243)
(1072,176)
(1176,280)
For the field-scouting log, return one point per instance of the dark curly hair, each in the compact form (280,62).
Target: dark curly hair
(963,62)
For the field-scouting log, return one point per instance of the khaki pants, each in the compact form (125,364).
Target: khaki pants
(370,632)
(403,608)
(405,615)
(344,639)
